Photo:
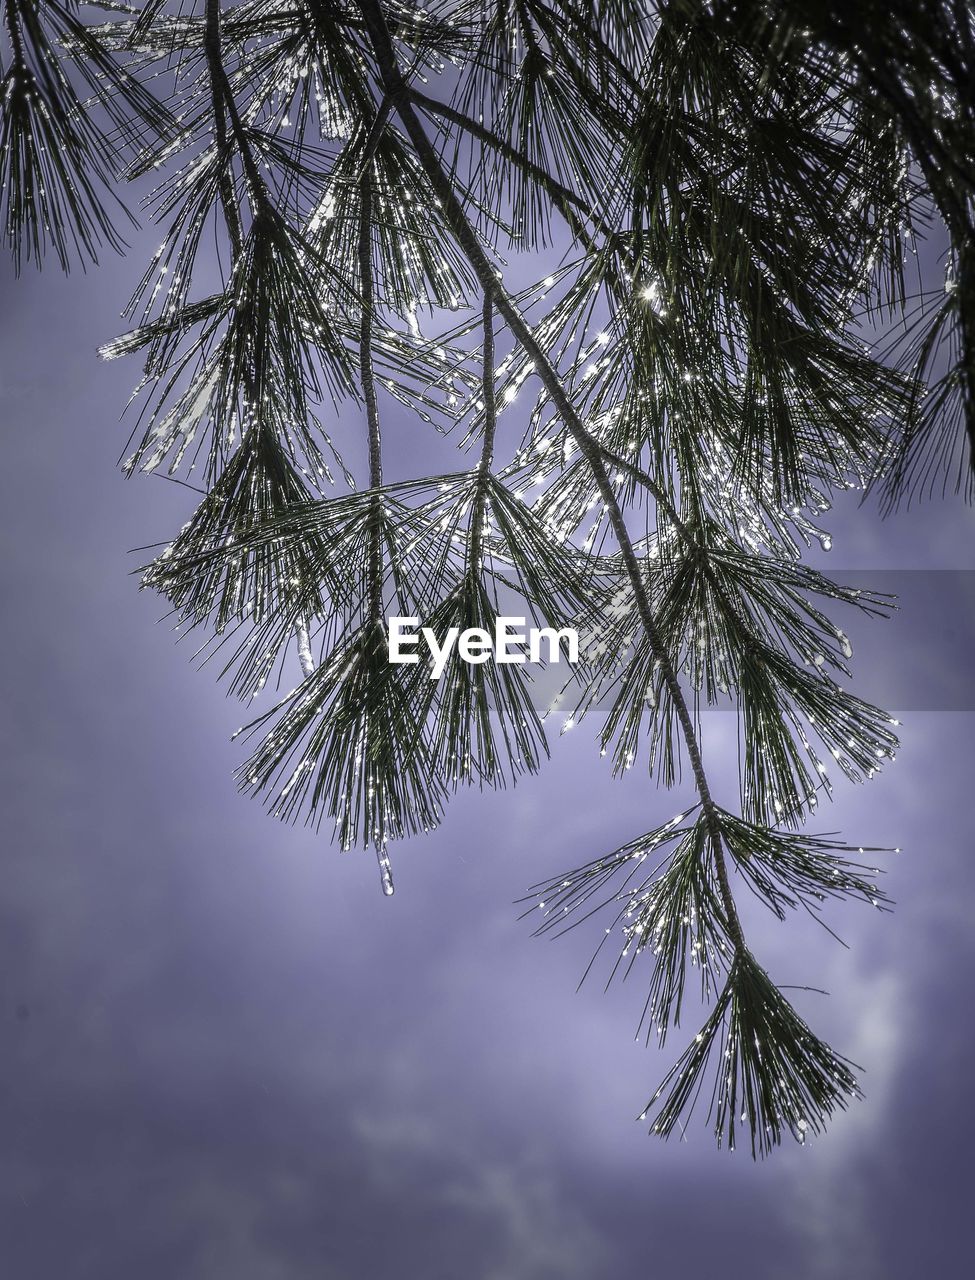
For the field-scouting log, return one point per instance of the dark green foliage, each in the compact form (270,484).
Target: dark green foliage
(57,166)
(660,417)
(772,1075)
(348,743)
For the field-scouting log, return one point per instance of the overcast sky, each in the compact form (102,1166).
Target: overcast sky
(225,1054)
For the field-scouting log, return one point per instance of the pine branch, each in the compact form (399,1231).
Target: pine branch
(490,430)
(567,201)
(398,92)
(368,379)
(739,186)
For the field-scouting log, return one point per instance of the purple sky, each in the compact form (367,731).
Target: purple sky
(225,1054)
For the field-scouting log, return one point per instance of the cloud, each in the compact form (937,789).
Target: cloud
(521,1217)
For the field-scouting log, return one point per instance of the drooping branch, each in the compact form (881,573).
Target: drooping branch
(223,102)
(679,189)
(367,376)
(490,427)
(218,88)
(397,88)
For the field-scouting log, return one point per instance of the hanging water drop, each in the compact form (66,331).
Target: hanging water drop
(386,873)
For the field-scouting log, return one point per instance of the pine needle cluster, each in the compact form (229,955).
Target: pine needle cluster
(354,197)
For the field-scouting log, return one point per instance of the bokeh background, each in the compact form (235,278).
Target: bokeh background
(225,1055)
